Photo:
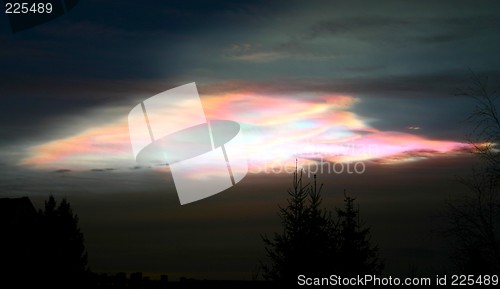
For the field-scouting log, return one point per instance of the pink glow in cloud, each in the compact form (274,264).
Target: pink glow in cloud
(83,150)
(278,129)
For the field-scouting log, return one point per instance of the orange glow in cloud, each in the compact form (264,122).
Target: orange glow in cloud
(91,147)
(278,129)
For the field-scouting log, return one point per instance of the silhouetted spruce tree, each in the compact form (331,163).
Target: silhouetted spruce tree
(315,243)
(64,255)
(356,253)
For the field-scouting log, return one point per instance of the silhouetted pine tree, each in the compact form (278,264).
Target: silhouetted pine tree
(356,253)
(315,243)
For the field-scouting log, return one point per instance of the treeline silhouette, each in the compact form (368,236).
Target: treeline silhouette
(138,281)
(45,248)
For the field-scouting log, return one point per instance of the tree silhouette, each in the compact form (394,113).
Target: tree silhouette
(41,249)
(64,255)
(356,253)
(475,217)
(313,242)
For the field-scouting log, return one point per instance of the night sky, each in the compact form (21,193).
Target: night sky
(307,80)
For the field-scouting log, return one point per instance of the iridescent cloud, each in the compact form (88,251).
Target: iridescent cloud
(278,129)
(85,150)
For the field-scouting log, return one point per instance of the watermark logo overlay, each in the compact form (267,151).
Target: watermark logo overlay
(314,167)
(205,157)
(26,14)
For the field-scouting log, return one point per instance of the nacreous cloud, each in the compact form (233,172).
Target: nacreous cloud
(277,128)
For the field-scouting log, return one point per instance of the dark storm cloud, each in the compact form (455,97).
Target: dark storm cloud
(16,181)
(350,27)
(62,171)
(417,30)
(103,170)
(441,85)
